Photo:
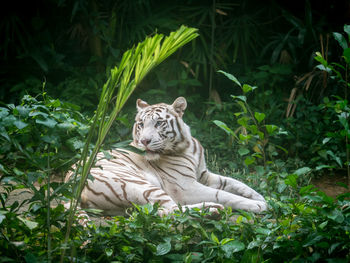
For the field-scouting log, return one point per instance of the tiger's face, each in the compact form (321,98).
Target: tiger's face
(159,129)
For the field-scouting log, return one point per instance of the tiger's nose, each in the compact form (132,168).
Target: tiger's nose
(145,142)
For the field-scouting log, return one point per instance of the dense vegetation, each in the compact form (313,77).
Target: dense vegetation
(274,81)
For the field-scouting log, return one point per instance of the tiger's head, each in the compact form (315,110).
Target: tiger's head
(159,128)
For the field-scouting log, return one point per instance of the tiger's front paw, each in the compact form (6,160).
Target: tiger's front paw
(256,206)
(257,196)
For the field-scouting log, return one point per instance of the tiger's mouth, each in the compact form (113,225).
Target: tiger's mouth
(149,151)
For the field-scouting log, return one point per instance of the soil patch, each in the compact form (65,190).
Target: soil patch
(331,184)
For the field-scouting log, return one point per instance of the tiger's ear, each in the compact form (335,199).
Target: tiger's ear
(140,104)
(180,105)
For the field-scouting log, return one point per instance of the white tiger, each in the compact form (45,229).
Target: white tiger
(172,172)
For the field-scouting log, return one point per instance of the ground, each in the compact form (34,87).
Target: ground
(330,184)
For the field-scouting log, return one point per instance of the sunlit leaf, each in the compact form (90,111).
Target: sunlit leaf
(259,116)
(271,128)
(30,224)
(231,77)
(241,97)
(223,126)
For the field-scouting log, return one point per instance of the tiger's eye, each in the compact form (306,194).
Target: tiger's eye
(141,125)
(158,123)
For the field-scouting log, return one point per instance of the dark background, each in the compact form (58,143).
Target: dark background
(71,45)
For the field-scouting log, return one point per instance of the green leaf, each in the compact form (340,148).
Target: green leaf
(337,216)
(38,113)
(263,231)
(341,40)
(52,139)
(346,55)
(320,59)
(281,187)
(75,143)
(214,238)
(291,180)
(271,129)
(226,240)
(244,138)
(3,112)
(249,160)
(23,110)
(302,171)
(343,119)
(259,116)
(260,170)
(323,166)
(323,68)
(243,106)
(20,124)
(247,88)
(47,122)
(232,247)
(305,190)
(312,239)
(335,158)
(163,248)
(347,30)
(109,252)
(243,121)
(323,225)
(224,127)
(241,97)
(325,140)
(231,77)
(30,224)
(243,151)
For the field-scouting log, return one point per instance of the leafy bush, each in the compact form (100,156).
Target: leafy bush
(310,227)
(39,138)
(40,130)
(252,135)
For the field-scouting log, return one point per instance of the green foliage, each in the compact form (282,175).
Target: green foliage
(253,134)
(306,228)
(37,130)
(339,105)
(39,138)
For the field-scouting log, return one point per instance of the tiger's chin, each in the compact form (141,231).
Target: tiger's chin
(152,156)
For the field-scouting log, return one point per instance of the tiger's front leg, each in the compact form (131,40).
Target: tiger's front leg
(196,193)
(229,185)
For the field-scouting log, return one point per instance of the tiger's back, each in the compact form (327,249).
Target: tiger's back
(172,171)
